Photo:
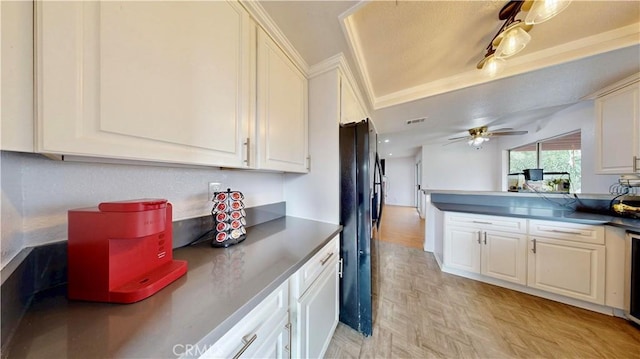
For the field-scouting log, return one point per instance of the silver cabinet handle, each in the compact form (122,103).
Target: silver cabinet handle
(481,222)
(288,346)
(325,259)
(248,156)
(485,238)
(534,246)
(479,235)
(565,232)
(635,163)
(309,163)
(247,343)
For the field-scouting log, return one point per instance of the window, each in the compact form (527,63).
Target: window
(557,154)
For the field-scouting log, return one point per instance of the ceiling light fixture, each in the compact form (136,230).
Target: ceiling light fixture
(386,141)
(541,11)
(478,136)
(478,141)
(513,35)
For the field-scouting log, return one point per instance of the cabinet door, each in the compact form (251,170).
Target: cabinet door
(618,131)
(462,248)
(504,256)
(572,269)
(276,345)
(256,330)
(159,81)
(16,25)
(281,110)
(318,314)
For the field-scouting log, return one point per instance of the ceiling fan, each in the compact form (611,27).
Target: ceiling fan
(478,135)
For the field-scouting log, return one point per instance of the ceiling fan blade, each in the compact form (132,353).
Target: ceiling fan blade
(456,140)
(459,138)
(502,129)
(509,133)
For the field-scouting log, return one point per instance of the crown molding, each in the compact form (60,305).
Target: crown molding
(264,20)
(353,42)
(339,62)
(336,61)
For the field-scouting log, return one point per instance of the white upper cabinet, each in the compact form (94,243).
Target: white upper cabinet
(618,129)
(177,82)
(17,76)
(350,108)
(159,81)
(281,125)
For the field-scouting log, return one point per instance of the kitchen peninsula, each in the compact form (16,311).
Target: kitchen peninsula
(568,248)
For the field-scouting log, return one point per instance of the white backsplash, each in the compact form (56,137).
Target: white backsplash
(38,192)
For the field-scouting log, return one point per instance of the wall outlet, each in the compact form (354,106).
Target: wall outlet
(214,187)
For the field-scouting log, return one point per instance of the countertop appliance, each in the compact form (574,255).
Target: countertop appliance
(361,204)
(121,252)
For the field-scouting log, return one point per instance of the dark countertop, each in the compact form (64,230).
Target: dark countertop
(502,204)
(220,287)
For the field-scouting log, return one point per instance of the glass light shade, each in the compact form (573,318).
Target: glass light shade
(477,141)
(493,66)
(513,41)
(543,10)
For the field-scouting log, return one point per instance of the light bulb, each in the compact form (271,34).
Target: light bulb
(543,10)
(476,141)
(493,66)
(514,41)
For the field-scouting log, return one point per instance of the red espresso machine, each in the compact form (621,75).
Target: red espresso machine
(121,252)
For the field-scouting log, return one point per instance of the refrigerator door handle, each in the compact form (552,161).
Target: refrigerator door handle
(340,262)
(380,192)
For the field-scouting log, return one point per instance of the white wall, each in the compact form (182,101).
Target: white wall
(38,192)
(580,116)
(401,174)
(460,167)
(317,195)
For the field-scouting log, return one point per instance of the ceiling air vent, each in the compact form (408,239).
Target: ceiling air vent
(417,120)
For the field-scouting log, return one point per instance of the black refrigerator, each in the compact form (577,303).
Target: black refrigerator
(361,203)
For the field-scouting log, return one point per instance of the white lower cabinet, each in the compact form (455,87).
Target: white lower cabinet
(296,320)
(314,303)
(569,264)
(504,256)
(317,315)
(261,333)
(462,248)
(471,245)
(568,259)
(277,344)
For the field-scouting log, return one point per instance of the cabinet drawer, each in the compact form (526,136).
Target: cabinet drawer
(479,221)
(311,270)
(586,233)
(252,331)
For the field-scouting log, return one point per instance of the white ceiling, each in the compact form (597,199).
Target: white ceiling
(417,59)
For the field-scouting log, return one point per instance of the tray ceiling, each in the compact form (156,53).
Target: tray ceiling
(417,59)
